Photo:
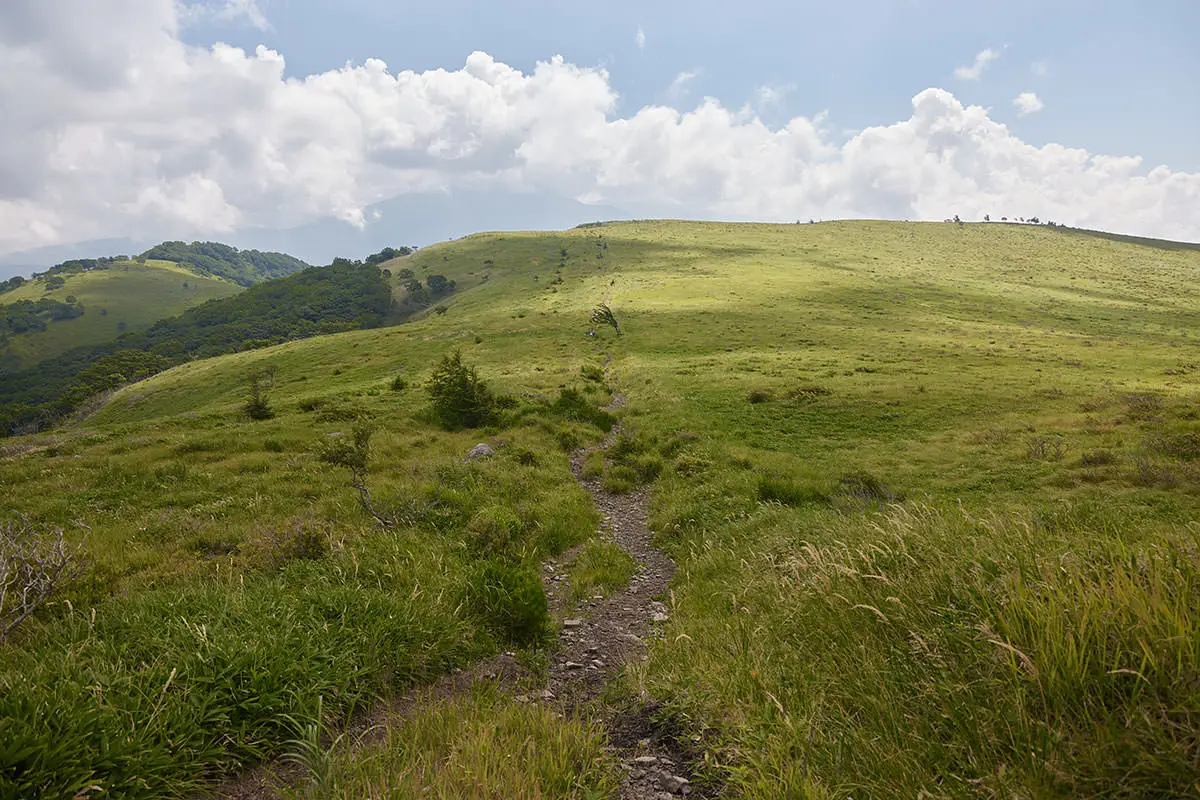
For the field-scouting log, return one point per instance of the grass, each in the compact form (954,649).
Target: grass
(127,296)
(951,552)
(484,745)
(602,568)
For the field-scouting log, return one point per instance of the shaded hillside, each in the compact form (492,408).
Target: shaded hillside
(340,297)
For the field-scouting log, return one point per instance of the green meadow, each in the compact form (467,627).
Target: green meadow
(932,491)
(128,295)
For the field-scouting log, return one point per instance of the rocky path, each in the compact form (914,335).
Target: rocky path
(596,641)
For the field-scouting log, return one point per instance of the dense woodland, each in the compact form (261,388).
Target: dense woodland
(343,296)
(244,267)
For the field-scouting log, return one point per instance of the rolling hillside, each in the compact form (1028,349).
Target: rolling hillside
(112,296)
(930,491)
(125,297)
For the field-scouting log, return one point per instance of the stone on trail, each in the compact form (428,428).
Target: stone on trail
(574,622)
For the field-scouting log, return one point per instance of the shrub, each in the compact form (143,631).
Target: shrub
(620,479)
(773,489)
(257,406)
(399,384)
(863,488)
(460,398)
(591,372)
(757,396)
(35,565)
(510,602)
(1097,458)
(573,405)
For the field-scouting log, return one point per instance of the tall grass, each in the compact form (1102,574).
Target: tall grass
(483,745)
(926,650)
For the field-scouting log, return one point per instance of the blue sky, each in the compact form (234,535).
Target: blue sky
(1119,78)
(274,123)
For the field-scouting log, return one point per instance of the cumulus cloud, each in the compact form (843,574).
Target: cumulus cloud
(640,38)
(982,59)
(1028,103)
(115,127)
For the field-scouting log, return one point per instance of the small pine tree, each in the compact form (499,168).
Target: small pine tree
(460,398)
(257,405)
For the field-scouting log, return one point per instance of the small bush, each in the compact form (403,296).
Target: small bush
(398,384)
(688,464)
(1183,446)
(1045,448)
(510,602)
(273,446)
(620,479)
(35,565)
(298,540)
(1097,458)
(863,488)
(460,398)
(311,404)
(593,465)
(568,439)
(591,372)
(257,405)
(573,405)
(1142,405)
(757,396)
(773,489)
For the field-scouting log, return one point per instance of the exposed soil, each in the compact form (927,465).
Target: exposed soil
(595,643)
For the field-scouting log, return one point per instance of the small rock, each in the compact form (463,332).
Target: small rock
(574,622)
(546,694)
(672,783)
(480,451)
(521,698)
(657,617)
(597,663)
(573,665)
(645,760)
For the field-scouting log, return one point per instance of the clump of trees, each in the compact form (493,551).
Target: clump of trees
(33,315)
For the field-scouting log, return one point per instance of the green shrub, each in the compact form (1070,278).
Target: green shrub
(757,396)
(620,479)
(399,384)
(773,489)
(509,601)
(460,398)
(590,372)
(573,405)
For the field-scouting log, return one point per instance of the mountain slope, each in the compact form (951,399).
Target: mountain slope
(125,296)
(931,492)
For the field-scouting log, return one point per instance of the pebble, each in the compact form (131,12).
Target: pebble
(574,622)
(573,665)
(645,759)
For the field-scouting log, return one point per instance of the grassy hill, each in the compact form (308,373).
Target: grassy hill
(931,491)
(126,296)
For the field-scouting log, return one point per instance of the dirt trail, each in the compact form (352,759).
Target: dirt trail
(593,647)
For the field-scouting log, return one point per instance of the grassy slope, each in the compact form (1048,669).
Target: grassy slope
(131,293)
(1024,622)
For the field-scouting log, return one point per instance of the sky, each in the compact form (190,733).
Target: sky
(326,127)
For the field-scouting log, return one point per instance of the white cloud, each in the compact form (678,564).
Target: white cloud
(114,127)
(193,11)
(1028,103)
(982,59)
(768,96)
(678,86)
(640,38)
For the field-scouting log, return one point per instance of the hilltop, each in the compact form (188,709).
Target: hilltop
(90,301)
(929,490)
